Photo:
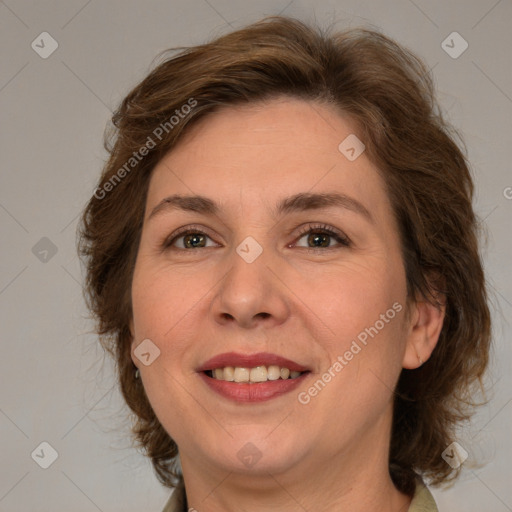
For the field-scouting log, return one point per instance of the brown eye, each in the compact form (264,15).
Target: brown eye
(194,240)
(320,237)
(191,238)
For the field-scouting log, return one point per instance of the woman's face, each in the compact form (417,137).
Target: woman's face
(249,280)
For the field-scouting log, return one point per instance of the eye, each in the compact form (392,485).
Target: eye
(321,236)
(192,238)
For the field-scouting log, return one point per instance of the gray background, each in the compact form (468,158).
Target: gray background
(56,386)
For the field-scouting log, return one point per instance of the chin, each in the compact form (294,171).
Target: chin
(259,451)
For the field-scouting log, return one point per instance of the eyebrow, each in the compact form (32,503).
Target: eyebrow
(303,201)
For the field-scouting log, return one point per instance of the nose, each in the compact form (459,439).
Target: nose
(251,294)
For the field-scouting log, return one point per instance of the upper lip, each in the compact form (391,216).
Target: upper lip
(250,361)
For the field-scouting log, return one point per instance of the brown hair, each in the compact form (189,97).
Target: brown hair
(388,94)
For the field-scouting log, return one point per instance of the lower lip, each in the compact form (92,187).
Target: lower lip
(255,392)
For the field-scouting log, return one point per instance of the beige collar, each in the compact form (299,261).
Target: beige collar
(422,501)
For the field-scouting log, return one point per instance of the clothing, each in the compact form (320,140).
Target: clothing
(422,501)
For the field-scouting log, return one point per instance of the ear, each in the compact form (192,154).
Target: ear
(425,324)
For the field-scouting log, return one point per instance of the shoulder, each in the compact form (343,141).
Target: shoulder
(422,501)
(177,502)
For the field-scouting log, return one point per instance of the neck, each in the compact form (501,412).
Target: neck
(354,479)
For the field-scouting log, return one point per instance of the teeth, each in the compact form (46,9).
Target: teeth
(273,372)
(257,374)
(229,374)
(241,374)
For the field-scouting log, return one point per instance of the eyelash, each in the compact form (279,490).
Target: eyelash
(342,239)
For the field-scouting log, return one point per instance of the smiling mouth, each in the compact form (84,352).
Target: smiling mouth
(254,375)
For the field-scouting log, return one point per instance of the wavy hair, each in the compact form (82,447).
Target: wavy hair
(388,93)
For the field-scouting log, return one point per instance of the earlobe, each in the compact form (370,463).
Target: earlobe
(426,323)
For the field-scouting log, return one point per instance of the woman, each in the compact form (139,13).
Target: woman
(282,257)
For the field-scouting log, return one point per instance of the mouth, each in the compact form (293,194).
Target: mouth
(252,378)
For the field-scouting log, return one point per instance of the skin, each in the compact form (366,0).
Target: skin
(328,454)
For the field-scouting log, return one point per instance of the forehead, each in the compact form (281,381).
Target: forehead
(263,151)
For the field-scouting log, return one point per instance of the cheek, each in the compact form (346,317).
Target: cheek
(352,296)
(365,307)
(160,298)
(354,388)
(167,305)
(160,306)
(363,304)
